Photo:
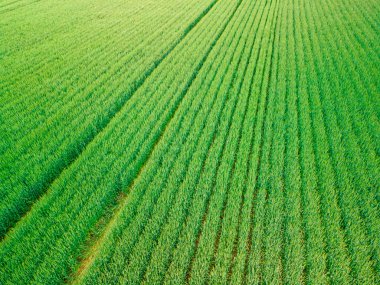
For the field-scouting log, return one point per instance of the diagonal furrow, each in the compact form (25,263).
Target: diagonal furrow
(44,248)
(10,216)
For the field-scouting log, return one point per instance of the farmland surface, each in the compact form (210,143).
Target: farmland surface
(189,142)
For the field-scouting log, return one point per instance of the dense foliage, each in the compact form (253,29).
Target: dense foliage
(190,142)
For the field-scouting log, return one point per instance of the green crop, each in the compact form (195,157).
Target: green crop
(190,142)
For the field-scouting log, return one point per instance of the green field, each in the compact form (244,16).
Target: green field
(189,142)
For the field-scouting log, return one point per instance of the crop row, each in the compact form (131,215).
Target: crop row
(62,219)
(7,6)
(248,153)
(37,158)
(146,229)
(94,36)
(52,109)
(351,196)
(42,27)
(49,110)
(105,53)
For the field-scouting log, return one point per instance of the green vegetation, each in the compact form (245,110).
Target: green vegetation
(190,142)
